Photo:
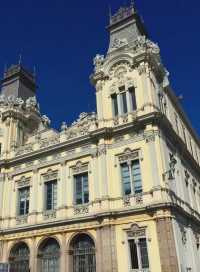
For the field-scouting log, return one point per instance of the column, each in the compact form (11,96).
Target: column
(119,104)
(63,255)
(103,170)
(129,102)
(33,195)
(62,192)
(106,256)
(33,256)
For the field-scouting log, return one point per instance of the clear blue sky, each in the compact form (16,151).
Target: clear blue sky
(61,37)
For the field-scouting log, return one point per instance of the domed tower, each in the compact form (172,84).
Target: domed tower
(19,110)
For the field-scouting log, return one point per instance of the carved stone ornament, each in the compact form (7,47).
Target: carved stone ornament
(197,239)
(183,235)
(135,231)
(20,220)
(144,44)
(118,43)
(49,141)
(23,182)
(86,122)
(128,155)
(98,62)
(50,175)
(119,70)
(47,215)
(80,167)
(78,210)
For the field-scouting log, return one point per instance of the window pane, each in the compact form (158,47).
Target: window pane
(85,188)
(133,98)
(51,195)
(133,254)
(23,201)
(136,173)
(78,189)
(115,105)
(124,103)
(81,189)
(126,178)
(144,253)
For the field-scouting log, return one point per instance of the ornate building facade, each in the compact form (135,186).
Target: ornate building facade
(118,190)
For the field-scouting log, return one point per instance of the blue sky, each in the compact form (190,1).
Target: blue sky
(61,38)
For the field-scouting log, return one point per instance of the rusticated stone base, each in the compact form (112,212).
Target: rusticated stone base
(168,256)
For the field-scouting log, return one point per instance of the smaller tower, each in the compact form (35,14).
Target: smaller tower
(125,27)
(18,82)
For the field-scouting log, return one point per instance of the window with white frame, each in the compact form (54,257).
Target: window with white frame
(124,101)
(130,172)
(81,188)
(23,201)
(131,177)
(138,251)
(50,195)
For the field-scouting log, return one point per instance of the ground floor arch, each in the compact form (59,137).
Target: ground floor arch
(19,258)
(49,256)
(83,254)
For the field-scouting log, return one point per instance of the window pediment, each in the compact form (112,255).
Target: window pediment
(128,155)
(50,175)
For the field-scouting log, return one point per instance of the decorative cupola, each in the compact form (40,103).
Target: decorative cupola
(128,78)
(19,109)
(18,82)
(125,27)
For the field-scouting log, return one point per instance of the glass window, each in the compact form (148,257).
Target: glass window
(81,189)
(136,174)
(131,177)
(115,105)
(19,258)
(138,254)
(126,178)
(83,252)
(51,195)
(24,195)
(133,98)
(124,103)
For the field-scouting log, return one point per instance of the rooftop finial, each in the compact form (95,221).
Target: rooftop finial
(20,59)
(110,11)
(34,71)
(132,3)
(5,67)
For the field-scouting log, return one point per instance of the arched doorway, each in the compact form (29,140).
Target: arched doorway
(19,258)
(83,254)
(49,256)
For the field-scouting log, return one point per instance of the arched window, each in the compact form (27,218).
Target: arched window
(83,252)
(49,256)
(19,258)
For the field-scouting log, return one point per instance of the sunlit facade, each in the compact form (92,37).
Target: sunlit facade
(116,191)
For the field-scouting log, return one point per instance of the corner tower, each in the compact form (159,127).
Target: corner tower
(128,77)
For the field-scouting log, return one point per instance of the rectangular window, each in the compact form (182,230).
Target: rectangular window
(81,189)
(138,254)
(131,178)
(115,105)
(24,195)
(51,194)
(133,98)
(124,103)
